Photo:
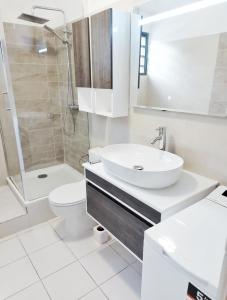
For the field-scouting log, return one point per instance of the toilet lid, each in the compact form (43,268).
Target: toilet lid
(68,194)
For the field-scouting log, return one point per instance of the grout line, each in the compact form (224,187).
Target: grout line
(104,293)
(26,256)
(36,272)
(14,261)
(108,244)
(42,278)
(39,249)
(42,248)
(97,288)
(81,264)
(30,285)
(127,265)
(85,255)
(65,266)
(78,258)
(122,255)
(113,276)
(96,285)
(87,293)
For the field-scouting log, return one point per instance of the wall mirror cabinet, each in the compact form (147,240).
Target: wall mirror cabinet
(102,62)
(179,56)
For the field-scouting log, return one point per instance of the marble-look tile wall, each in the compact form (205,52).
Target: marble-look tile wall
(49,132)
(219,93)
(75,123)
(36,83)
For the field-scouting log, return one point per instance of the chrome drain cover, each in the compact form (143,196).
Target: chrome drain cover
(41,176)
(138,168)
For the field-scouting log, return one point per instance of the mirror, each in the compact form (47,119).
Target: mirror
(179,56)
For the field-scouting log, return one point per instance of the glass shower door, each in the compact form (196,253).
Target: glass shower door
(8,123)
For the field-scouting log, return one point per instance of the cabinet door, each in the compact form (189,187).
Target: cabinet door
(123,223)
(81,44)
(101,44)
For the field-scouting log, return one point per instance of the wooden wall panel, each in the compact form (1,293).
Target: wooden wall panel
(81,44)
(101,43)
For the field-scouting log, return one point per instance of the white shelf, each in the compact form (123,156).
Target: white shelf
(85,99)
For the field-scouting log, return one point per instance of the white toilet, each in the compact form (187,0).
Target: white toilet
(69,202)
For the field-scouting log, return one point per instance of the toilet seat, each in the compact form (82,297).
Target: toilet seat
(69,194)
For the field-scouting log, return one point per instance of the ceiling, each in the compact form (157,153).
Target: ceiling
(154,7)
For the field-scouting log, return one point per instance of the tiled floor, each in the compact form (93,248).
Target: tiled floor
(10,208)
(43,263)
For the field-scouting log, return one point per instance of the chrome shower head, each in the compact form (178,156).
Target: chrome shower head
(33,19)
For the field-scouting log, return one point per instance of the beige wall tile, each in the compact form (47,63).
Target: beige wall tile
(41,89)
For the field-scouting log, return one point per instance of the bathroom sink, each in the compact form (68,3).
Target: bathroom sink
(142,166)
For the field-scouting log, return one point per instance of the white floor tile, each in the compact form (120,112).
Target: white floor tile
(10,250)
(34,292)
(10,207)
(103,264)
(83,245)
(39,237)
(123,252)
(124,286)
(52,258)
(16,276)
(58,224)
(69,283)
(95,295)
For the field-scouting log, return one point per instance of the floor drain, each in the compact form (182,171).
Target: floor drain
(138,168)
(41,176)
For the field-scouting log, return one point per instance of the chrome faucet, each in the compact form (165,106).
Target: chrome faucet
(161,138)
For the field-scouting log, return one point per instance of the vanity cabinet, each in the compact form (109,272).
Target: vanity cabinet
(123,223)
(118,212)
(107,56)
(128,211)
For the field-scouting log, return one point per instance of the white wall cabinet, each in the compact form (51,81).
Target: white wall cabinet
(107,91)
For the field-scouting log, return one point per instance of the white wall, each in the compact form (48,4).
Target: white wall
(202,141)
(11,9)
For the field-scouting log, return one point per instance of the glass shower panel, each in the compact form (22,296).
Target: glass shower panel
(33,65)
(7,129)
(53,133)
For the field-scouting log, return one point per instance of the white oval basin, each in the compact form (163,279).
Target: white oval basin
(142,166)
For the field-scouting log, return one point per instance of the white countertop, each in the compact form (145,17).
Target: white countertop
(187,191)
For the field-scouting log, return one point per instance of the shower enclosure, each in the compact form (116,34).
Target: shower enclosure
(44,135)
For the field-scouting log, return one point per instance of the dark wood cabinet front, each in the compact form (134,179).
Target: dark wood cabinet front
(101,45)
(81,44)
(124,224)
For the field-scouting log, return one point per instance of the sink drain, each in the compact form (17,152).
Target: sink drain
(41,176)
(138,168)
